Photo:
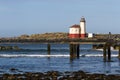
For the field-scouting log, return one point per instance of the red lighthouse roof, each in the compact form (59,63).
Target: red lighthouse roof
(75,26)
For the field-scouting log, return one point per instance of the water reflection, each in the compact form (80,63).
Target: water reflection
(107,67)
(119,62)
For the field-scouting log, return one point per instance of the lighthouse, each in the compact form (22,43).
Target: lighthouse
(83,27)
(78,31)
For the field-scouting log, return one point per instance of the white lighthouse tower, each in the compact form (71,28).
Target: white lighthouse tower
(83,27)
(78,31)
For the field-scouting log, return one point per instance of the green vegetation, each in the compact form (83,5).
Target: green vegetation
(47,36)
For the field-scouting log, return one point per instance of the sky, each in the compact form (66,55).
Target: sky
(19,17)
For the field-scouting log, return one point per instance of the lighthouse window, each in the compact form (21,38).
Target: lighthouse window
(76,30)
(72,30)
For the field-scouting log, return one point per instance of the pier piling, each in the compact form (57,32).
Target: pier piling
(74,50)
(77,50)
(104,53)
(71,51)
(48,48)
(119,52)
(109,52)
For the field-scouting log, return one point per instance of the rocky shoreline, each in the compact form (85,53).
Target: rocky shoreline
(57,37)
(55,75)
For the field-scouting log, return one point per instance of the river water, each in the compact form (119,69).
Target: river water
(35,58)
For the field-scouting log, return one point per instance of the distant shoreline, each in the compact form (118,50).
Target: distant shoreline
(57,37)
(53,41)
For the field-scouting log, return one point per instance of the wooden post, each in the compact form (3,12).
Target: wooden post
(48,48)
(109,53)
(119,52)
(104,52)
(77,50)
(71,48)
(72,51)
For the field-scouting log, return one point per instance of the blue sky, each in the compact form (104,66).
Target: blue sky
(19,17)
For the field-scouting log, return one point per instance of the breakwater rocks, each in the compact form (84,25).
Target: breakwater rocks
(55,75)
(9,48)
(101,46)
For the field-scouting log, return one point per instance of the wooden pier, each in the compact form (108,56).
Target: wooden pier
(74,50)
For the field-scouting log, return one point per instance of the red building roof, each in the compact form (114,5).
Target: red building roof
(75,26)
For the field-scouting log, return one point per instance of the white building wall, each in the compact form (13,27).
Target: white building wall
(90,35)
(74,31)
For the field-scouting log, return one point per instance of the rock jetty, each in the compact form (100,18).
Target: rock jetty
(9,48)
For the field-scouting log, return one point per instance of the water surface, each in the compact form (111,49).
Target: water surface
(35,58)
